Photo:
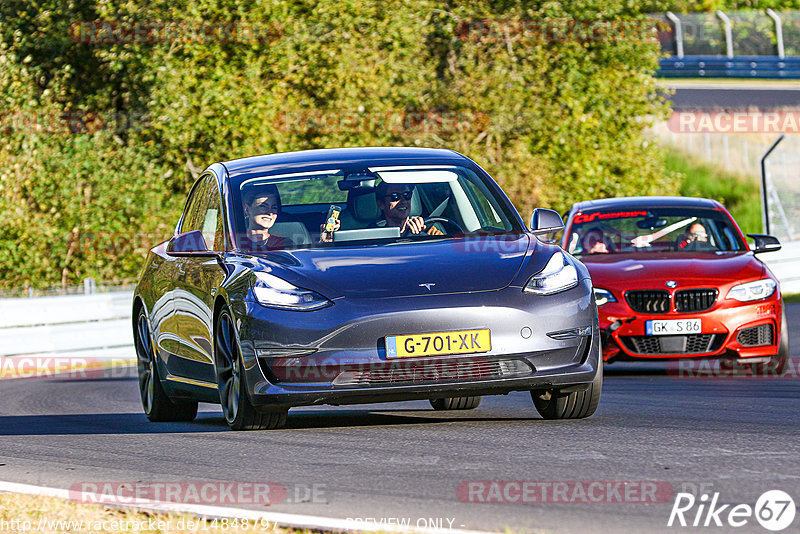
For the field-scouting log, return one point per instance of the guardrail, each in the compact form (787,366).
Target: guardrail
(733,44)
(735,67)
(87,326)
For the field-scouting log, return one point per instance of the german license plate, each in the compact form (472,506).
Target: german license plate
(438,343)
(659,327)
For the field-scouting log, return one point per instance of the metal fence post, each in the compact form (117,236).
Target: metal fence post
(728,32)
(678,33)
(778,31)
(89,286)
(764,197)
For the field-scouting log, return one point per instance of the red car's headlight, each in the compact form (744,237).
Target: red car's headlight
(760,289)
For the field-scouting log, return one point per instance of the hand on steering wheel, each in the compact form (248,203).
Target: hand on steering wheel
(445,221)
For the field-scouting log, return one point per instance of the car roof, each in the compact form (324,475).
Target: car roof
(645,202)
(339,157)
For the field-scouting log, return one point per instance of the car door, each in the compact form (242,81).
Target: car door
(196,281)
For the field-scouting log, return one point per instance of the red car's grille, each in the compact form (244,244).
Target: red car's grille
(695,300)
(691,344)
(648,301)
(756,336)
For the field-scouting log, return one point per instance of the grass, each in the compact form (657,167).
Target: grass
(738,194)
(30,513)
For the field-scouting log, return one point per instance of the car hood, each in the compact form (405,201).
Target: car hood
(404,269)
(643,270)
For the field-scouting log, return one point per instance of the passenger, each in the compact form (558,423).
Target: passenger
(262,205)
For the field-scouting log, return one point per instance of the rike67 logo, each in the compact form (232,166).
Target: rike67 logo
(774,510)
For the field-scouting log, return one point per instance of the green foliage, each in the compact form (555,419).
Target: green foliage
(738,194)
(555,117)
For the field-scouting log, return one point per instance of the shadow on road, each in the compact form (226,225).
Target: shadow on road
(132,423)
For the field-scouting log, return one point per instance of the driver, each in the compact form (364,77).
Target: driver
(695,238)
(394,201)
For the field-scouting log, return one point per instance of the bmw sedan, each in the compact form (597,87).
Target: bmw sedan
(360,275)
(674,278)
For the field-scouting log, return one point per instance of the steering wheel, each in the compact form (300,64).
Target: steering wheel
(445,221)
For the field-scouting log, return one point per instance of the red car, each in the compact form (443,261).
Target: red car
(674,278)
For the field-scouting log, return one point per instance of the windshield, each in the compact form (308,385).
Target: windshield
(653,230)
(368,206)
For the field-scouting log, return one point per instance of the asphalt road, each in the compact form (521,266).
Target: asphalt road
(712,97)
(739,437)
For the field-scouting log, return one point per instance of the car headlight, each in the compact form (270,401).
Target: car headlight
(276,292)
(760,289)
(603,296)
(558,275)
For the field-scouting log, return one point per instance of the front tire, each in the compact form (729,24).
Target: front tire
(240,414)
(456,403)
(551,404)
(157,405)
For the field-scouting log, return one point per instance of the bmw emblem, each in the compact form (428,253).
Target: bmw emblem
(672,284)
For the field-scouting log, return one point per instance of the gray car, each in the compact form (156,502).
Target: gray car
(360,275)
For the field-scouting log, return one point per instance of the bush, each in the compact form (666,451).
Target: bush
(555,120)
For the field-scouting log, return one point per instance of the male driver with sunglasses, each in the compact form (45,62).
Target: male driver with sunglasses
(394,200)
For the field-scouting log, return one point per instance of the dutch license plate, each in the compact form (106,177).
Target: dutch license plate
(438,343)
(659,327)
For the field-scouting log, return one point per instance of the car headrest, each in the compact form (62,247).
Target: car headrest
(294,231)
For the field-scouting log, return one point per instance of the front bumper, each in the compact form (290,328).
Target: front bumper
(729,329)
(337,355)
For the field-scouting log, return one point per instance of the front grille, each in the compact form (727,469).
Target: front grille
(695,300)
(447,370)
(691,344)
(648,301)
(756,336)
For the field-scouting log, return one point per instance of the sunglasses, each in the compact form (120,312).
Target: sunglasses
(394,197)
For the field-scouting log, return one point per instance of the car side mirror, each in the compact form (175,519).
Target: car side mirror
(546,222)
(765,243)
(188,244)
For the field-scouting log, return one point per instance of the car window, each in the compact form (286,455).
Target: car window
(204,213)
(665,230)
(456,199)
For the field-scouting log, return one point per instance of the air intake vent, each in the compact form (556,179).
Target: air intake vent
(756,336)
(433,371)
(649,301)
(695,300)
(691,344)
